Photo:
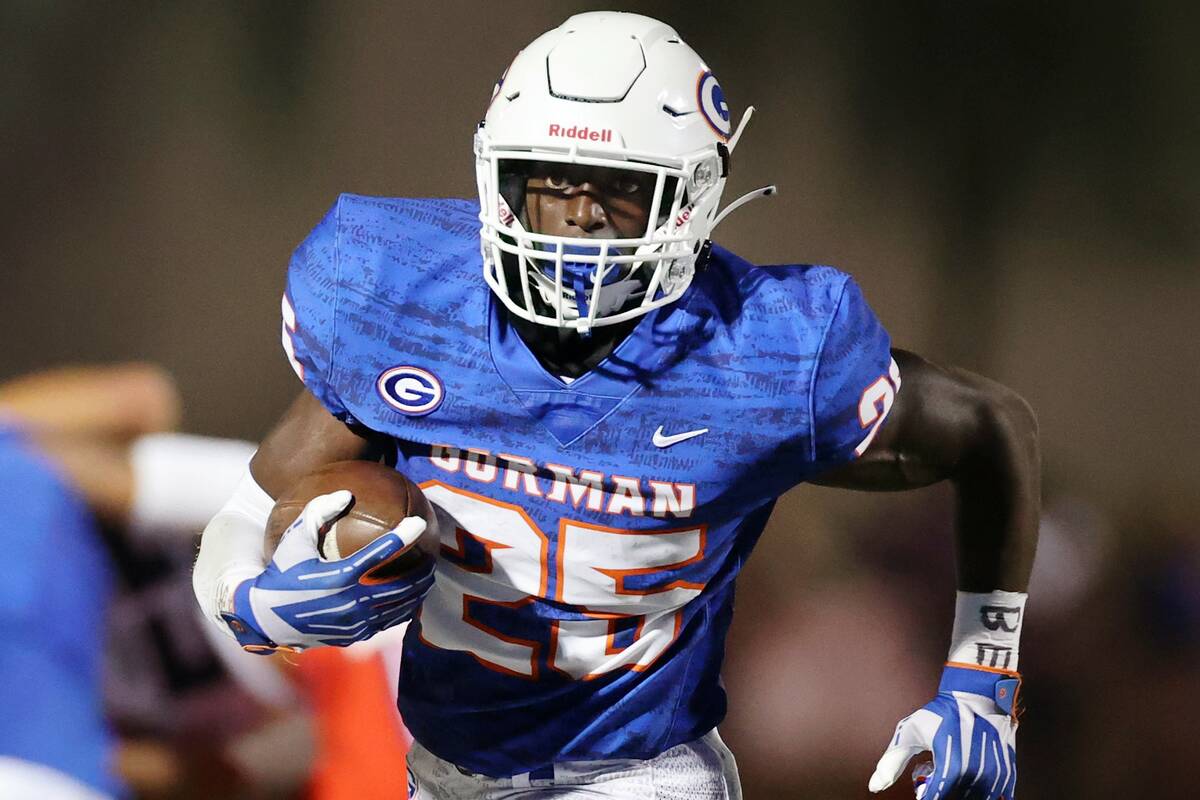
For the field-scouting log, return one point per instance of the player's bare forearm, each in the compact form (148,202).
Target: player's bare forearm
(950,424)
(305,438)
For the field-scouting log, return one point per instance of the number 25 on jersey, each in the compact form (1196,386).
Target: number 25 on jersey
(595,600)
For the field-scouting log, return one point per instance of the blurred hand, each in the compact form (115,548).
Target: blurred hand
(113,401)
(300,600)
(971,731)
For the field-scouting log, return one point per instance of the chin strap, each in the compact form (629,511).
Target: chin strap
(765,191)
(746,115)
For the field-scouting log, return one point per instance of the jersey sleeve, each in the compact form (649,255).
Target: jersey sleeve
(309,313)
(855,382)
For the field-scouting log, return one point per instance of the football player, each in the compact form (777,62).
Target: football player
(65,437)
(603,435)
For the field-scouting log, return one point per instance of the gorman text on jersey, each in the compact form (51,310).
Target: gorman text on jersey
(612,494)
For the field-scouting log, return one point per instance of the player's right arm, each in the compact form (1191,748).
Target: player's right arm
(305,438)
(296,599)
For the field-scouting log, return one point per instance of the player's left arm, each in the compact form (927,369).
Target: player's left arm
(949,424)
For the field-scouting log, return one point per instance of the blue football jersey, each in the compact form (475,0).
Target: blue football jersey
(55,583)
(591,530)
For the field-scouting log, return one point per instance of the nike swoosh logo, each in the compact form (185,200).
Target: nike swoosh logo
(662,440)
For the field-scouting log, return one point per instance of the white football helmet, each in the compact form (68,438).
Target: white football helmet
(609,90)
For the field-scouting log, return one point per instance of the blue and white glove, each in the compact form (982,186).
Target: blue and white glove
(971,730)
(300,600)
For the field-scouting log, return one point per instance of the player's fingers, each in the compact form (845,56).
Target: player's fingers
(340,641)
(407,593)
(403,589)
(393,621)
(373,554)
(913,735)
(378,622)
(327,507)
(394,614)
(920,778)
(891,766)
(410,529)
(299,542)
(365,633)
(397,606)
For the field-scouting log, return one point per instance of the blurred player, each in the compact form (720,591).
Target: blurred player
(102,503)
(63,439)
(604,435)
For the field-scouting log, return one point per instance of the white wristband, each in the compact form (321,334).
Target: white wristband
(987,629)
(231,549)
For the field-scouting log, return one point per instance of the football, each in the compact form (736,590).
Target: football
(382,498)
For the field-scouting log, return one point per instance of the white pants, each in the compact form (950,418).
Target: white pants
(700,770)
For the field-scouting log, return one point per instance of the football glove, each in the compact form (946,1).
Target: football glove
(301,600)
(971,729)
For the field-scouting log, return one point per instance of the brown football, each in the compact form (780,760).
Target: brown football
(382,498)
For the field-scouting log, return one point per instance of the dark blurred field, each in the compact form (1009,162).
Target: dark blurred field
(1015,184)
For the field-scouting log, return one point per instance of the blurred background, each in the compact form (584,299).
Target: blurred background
(1016,185)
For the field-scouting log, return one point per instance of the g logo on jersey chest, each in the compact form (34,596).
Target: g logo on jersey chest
(410,390)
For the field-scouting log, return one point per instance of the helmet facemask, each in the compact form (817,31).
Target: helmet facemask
(584,281)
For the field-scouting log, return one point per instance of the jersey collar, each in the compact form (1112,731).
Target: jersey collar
(568,411)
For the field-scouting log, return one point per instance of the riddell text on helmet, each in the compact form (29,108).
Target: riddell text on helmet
(585,133)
